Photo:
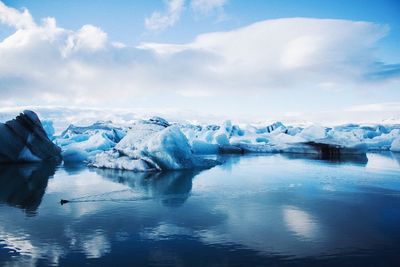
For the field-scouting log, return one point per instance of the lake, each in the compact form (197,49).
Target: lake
(253,210)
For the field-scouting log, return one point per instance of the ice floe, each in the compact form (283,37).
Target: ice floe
(156,144)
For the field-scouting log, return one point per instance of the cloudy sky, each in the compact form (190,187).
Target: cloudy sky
(260,59)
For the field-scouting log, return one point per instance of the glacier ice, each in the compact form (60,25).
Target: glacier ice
(156,144)
(24,139)
(395,146)
(152,146)
(278,138)
(79,143)
(48,128)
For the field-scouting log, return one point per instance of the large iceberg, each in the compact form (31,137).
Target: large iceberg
(152,145)
(23,139)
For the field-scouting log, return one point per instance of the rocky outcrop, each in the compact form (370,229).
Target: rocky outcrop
(23,139)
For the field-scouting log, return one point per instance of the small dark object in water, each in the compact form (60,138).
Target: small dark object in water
(63,201)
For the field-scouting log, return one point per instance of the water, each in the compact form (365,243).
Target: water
(269,210)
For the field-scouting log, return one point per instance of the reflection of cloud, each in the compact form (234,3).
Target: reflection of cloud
(70,187)
(166,231)
(30,252)
(96,246)
(300,222)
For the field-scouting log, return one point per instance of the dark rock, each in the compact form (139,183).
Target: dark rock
(23,139)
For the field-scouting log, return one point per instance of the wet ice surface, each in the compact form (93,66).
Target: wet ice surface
(251,210)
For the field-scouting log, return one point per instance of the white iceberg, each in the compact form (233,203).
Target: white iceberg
(151,146)
(80,143)
(395,147)
(155,144)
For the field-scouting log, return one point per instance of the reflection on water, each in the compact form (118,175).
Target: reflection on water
(23,185)
(300,222)
(172,187)
(359,159)
(252,210)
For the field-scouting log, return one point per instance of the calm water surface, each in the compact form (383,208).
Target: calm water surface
(270,210)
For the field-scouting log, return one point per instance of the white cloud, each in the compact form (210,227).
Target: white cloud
(284,53)
(43,64)
(159,21)
(207,6)
(14,18)
(88,38)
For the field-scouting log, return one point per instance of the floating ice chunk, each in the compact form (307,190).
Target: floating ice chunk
(137,135)
(221,139)
(24,139)
(169,149)
(80,143)
(204,148)
(383,141)
(395,147)
(74,155)
(99,141)
(48,128)
(148,147)
(313,132)
(114,160)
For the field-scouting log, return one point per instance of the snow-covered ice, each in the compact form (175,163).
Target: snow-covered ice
(395,147)
(157,144)
(80,143)
(152,145)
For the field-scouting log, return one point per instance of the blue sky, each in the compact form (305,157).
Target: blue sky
(164,55)
(123,20)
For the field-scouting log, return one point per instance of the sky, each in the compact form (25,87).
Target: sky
(287,60)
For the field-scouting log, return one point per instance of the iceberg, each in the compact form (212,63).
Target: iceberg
(80,143)
(24,139)
(157,144)
(395,147)
(152,145)
(278,138)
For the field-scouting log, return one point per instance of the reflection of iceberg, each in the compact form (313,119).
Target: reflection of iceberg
(384,161)
(23,185)
(357,159)
(171,187)
(396,156)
